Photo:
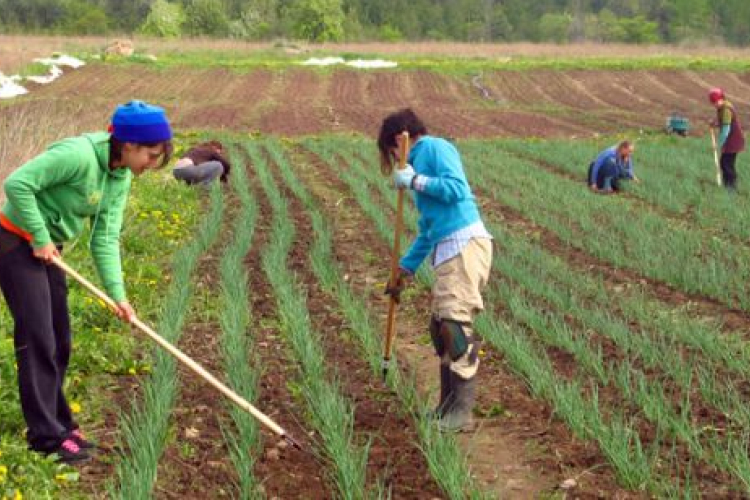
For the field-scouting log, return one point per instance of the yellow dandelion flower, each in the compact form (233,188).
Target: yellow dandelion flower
(61,478)
(102,303)
(75,407)
(131,371)
(18,495)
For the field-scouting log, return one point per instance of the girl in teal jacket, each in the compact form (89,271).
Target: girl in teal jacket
(452,232)
(49,199)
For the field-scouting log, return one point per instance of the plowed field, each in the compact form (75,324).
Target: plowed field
(538,103)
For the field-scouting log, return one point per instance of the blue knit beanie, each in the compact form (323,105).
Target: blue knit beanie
(140,123)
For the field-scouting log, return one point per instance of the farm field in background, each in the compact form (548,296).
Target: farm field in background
(615,356)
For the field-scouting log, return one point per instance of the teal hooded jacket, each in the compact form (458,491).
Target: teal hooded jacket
(445,204)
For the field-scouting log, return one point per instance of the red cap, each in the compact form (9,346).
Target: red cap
(715,95)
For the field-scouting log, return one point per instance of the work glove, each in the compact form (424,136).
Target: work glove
(404,177)
(395,289)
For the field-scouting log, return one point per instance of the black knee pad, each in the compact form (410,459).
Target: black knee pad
(437,340)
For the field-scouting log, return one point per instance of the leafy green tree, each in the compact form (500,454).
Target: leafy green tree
(610,29)
(258,20)
(82,18)
(127,15)
(206,17)
(555,27)
(317,20)
(32,15)
(689,19)
(165,20)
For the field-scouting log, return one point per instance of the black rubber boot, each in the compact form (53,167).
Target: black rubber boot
(458,417)
(446,393)
(447,396)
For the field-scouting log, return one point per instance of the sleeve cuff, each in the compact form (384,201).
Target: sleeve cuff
(39,240)
(420,182)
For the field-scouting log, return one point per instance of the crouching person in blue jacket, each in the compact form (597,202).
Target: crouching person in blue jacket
(451,230)
(610,166)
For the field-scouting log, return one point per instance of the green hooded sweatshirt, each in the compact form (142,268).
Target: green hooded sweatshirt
(52,195)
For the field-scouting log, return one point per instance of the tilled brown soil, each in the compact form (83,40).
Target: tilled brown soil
(284,471)
(394,455)
(522,452)
(196,461)
(539,103)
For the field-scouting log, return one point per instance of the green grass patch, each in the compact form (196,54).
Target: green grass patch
(243,61)
(104,350)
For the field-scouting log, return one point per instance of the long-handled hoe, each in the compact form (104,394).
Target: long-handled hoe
(184,358)
(390,330)
(716,157)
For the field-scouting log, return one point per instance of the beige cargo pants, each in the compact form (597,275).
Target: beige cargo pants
(457,295)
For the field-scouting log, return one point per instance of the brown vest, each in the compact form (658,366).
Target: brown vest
(735,143)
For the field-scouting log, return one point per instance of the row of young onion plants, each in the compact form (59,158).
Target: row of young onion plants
(663,349)
(244,440)
(678,177)
(329,412)
(618,438)
(612,230)
(144,429)
(443,455)
(519,263)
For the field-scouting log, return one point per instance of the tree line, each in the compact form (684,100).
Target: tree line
(622,21)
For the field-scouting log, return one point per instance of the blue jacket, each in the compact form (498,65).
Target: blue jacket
(610,155)
(444,199)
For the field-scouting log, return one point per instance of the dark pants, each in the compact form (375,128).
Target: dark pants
(728,172)
(37,296)
(608,177)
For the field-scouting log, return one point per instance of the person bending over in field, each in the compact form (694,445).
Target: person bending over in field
(731,138)
(610,166)
(48,200)
(202,164)
(452,231)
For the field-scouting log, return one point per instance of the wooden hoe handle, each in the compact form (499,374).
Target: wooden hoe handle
(716,157)
(395,254)
(181,356)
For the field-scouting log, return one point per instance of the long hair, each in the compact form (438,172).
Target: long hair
(404,120)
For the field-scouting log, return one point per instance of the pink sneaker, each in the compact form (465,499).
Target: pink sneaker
(69,452)
(77,436)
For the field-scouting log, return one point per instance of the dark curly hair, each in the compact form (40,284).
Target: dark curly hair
(404,120)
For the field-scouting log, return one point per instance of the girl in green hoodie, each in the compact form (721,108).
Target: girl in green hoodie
(49,199)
